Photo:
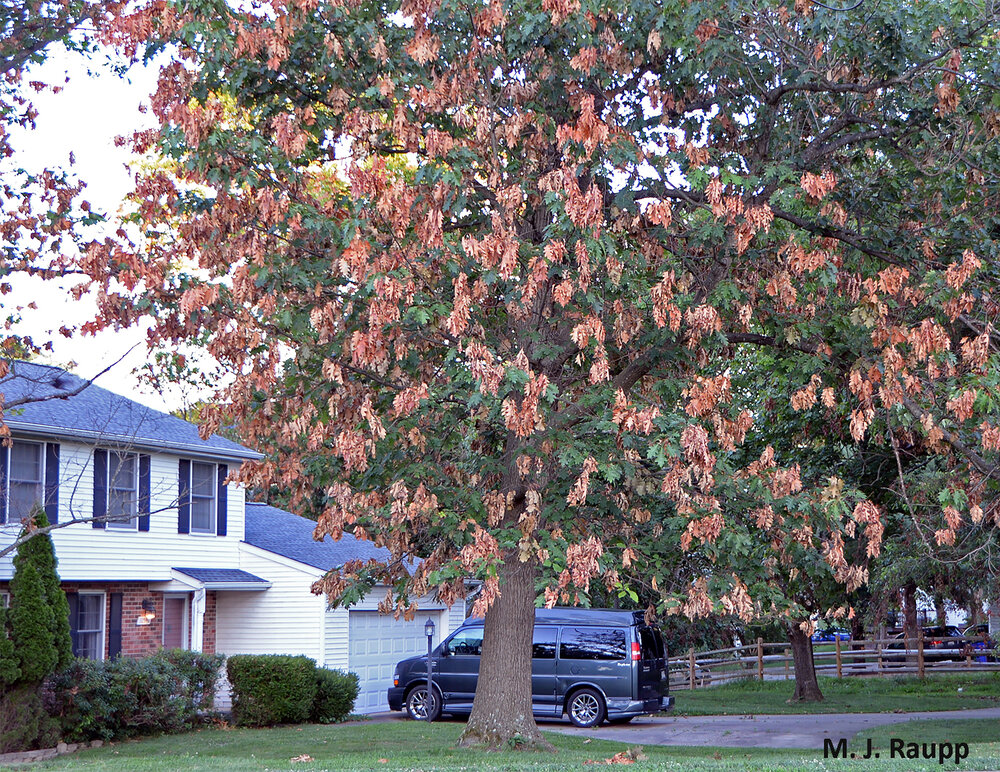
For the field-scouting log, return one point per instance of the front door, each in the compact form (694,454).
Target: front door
(175,622)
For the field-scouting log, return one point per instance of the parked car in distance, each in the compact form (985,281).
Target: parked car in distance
(940,643)
(590,664)
(983,649)
(830,634)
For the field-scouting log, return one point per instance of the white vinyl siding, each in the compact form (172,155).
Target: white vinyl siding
(26,476)
(284,619)
(99,554)
(123,490)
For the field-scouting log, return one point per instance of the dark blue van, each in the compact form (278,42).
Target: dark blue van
(590,664)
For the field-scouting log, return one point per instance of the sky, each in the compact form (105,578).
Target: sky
(94,107)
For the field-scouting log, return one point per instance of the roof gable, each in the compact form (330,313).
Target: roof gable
(99,415)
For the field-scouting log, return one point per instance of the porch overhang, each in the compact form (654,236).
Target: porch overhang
(228,579)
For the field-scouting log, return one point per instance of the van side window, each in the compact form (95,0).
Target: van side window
(592,643)
(543,643)
(467,643)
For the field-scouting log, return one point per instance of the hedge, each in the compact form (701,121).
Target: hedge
(271,689)
(335,696)
(127,697)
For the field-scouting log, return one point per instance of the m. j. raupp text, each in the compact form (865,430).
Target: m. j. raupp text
(899,749)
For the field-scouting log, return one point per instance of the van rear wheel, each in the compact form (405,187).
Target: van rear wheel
(586,708)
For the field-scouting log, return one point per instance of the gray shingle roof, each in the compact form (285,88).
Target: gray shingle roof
(221,575)
(291,536)
(98,415)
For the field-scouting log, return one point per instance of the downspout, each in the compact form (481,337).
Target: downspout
(198,619)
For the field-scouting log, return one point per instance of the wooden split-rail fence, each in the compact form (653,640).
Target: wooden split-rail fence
(872,657)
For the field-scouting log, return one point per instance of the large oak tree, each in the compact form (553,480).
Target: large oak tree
(480,273)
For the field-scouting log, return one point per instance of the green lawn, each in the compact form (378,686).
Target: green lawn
(847,695)
(413,746)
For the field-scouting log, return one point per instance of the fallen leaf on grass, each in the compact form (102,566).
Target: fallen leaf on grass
(383,761)
(629,756)
(303,757)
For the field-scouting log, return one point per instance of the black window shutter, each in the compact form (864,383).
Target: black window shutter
(3,484)
(52,481)
(115,624)
(100,486)
(184,496)
(222,502)
(144,492)
(74,621)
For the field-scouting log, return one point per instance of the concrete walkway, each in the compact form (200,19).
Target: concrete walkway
(758,731)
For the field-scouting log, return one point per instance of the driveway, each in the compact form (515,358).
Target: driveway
(759,731)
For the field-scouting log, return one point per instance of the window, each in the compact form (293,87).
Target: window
(467,643)
(592,643)
(87,625)
(543,643)
(123,490)
(202,497)
(650,643)
(25,488)
(4,600)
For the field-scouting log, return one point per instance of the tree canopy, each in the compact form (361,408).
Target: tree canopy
(486,276)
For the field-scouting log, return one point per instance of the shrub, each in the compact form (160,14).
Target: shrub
(24,723)
(127,697)
(335,696)
(82,701)
(271,689)
(198,675)
(31,625)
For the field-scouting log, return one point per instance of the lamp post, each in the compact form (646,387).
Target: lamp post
(429,632)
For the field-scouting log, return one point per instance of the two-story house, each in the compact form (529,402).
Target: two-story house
(170,553)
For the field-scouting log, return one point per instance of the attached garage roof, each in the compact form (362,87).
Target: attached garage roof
(291,536)
(225,578)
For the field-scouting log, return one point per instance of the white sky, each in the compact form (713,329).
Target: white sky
(94,107)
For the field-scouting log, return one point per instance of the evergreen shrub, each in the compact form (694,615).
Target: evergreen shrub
(271,689)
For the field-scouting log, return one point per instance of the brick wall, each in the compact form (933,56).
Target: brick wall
(139,640)
(208,631)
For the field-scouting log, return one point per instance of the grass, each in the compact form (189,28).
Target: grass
(847,695)
(413,746)
(974,731)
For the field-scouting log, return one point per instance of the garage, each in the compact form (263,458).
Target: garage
(376,642)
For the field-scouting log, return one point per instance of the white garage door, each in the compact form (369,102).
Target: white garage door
(377,642)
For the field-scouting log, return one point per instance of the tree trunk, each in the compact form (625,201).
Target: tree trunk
(910,626)
(940,611)
(806,685)
(975,610)
(501,712)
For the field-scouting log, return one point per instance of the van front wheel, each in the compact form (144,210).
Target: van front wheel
(417,704)
(586,708)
